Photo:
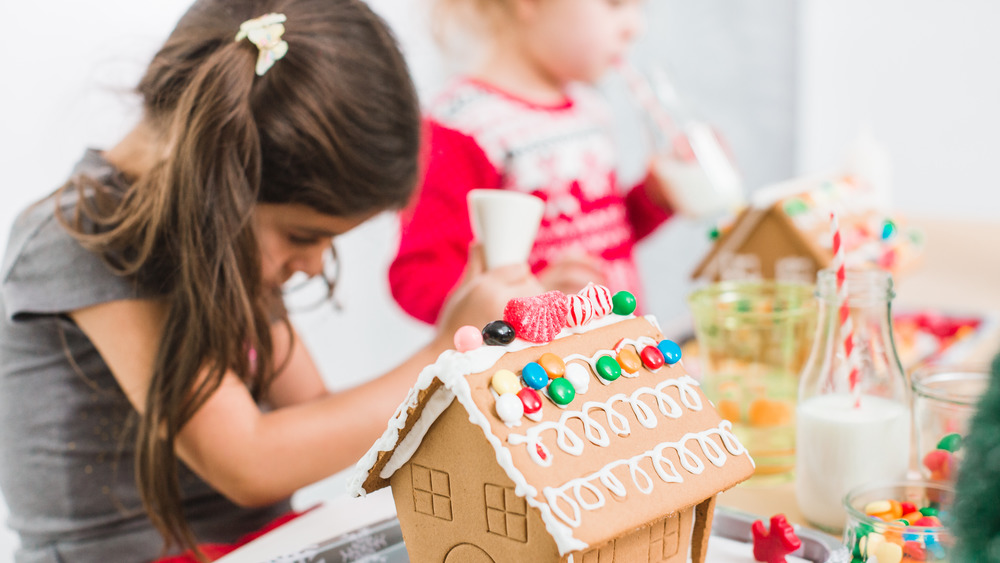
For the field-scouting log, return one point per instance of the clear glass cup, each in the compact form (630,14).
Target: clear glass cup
(753,339)
(865,535)
(944,401)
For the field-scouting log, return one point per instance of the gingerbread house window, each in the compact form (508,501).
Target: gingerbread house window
(506,513)
(431,492)
(664,539)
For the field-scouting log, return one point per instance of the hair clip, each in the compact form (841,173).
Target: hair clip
(265,32)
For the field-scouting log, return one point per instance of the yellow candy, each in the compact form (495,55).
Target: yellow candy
(552,364)
(504,381)
(888,553)
(870,544)
(876,507)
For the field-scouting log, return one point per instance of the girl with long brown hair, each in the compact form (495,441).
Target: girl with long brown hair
(151,386)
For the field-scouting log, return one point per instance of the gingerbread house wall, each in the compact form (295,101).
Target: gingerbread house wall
(456,505)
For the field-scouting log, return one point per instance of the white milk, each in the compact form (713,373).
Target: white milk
(840,447)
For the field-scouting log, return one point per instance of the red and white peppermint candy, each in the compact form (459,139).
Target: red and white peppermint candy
(600,299)
(581,310)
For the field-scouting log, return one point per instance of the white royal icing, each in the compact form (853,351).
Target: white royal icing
(570,442)
(584,493)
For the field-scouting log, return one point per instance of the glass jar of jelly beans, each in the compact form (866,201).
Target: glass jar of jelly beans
(899,521)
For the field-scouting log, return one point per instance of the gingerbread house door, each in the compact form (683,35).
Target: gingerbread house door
(467,553)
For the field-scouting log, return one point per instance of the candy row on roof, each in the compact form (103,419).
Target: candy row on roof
(539,319)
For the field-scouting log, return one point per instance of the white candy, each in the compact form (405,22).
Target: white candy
(579,376)
(600,299)
(581,311)
(510,409)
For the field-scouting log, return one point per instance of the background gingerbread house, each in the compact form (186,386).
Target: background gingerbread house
(785,233)
(627,471)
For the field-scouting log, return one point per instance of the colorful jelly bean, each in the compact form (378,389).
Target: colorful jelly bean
(629,360)
(929,511)
(561,391)
(888,552)
(907,507)
(608,368)
(670,350)
(578,375)
(504,381)
(530,399)
(623,303)
(877,507)
(951,443)
(468,338)
(498,333)
(534,376)
(553,365)
(509,407)
(652,358)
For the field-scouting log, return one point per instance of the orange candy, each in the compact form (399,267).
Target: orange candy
(629,360)
(552,364)
(765,412)
(729,410)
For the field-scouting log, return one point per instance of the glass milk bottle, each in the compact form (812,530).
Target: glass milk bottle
(849,435)
(698,174)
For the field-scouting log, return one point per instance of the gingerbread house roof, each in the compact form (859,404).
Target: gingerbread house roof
(620,455)
(799,210)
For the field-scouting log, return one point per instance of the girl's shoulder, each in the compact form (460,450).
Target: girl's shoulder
(45,269)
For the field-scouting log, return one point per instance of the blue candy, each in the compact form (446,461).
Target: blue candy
(671,351)
(534,376)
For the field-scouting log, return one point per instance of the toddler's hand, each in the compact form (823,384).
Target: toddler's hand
(483,294)
(572,273)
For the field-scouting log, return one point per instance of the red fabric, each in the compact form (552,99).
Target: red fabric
(435,232)
(480,137)
(215,551)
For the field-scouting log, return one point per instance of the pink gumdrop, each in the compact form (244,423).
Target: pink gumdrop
(468,338)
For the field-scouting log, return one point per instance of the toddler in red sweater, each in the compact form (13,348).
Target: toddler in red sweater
(526,119)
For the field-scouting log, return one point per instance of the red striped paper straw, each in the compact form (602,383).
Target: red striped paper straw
(644,94)
(844,311)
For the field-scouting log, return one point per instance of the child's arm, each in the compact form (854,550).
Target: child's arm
(255,457)
(435,232)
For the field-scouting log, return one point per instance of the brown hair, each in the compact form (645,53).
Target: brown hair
(334,125)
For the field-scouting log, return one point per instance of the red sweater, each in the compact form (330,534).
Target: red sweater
(479,137)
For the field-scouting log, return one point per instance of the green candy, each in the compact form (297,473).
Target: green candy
(608,368)
(929,511)
(561,391)
(714,234)
(888,229)
(795,206)
(951,443)
(623,303)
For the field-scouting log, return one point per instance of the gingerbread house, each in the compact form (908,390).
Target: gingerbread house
(626,468)
(785,233)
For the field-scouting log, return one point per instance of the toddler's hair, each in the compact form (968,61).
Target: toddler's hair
(456,23)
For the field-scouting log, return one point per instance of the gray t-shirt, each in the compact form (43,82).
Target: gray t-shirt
(66,429)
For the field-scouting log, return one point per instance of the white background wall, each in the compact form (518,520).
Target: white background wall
(789,83)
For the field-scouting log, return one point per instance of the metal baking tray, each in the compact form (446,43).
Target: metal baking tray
(383,542)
